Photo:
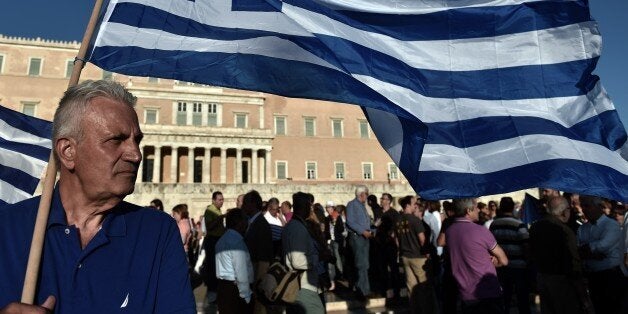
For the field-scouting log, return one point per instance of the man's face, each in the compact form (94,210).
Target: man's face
(474,212)
(107,156)
(285,208)
(362,197)
(384,201)
(218,201)
(239,201)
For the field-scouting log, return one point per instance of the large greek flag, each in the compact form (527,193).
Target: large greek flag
(24,151)
(469,97)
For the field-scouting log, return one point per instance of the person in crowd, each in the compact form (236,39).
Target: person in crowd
(377,210)
(624,264)
(359,225)
(234,269)
(348,261)
(276,222)
(214,229)
(433,219)
(385,238)
(449,291)
(300,254)
(286,210)
(239,201)
(157,204)
(474,254)
(334,229)
(484,214)
(410,237)
(93,236)
(577,218)
(599,242)
(491,213)
(512,235)
(554,252)
(182,217)
(258,238)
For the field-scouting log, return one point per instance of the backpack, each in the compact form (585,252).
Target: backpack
(280,284)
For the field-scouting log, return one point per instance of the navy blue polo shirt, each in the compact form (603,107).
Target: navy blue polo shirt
(135,263)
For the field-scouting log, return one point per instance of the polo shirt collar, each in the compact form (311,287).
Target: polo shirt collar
(114,223)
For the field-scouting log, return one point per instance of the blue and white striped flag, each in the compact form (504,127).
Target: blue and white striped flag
(468,97)
(24,152)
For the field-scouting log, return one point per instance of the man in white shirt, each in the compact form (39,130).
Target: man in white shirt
(234,269)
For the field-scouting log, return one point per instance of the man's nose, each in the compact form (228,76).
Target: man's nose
(133,153)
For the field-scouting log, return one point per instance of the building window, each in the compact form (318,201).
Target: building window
(282,170)
(212,114)
(150,116)
(182,113)
(153,80)
(34,67)
(1,63)
(364,129)
(367,170)
(28,108)
(69,67)
(310,126)
(393,171)
(197,115)
(106,75)
(336,126)
(280,125)
(240,120)
(198,170)
(310,170)
(339,168)
(147,172)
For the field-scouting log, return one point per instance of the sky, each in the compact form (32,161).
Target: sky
(66,20)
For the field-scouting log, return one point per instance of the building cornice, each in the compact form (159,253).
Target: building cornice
(39,42)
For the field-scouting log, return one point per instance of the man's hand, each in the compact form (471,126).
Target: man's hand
(367,234)
(21,308)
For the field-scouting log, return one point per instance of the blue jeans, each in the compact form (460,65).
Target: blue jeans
(360,248)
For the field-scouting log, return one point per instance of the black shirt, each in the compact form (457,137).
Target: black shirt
(553,247)
(407,230)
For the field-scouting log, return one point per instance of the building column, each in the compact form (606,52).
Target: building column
(206,165)
(173,164)
(140,169)
(268,167)
(223,165)
(238,168)
(190,165)
(157,164)
(254,162)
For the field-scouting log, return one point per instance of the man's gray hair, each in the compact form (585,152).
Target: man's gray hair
(557,205)
(360,189)
(75,101)
(461,205)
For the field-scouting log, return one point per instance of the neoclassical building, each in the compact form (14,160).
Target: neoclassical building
(199,139)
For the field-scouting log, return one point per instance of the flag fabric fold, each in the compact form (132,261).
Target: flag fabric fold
(25,147)
(469,98)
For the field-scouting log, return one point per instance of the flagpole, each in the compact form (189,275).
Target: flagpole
(34,257)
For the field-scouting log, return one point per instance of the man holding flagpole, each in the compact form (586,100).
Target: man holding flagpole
(101,254)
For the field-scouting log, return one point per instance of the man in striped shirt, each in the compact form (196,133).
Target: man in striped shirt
(512,235)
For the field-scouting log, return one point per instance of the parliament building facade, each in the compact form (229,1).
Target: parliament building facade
(199,139)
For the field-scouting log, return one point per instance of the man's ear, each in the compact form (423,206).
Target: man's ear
(66,151)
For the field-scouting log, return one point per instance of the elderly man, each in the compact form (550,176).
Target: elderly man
(101,255)
(554,252)
(359,227)
(599,242)
(474,255)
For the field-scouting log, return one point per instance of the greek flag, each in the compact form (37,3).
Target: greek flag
(24,151)
(469,97)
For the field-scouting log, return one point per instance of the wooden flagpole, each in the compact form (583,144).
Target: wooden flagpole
(34,257)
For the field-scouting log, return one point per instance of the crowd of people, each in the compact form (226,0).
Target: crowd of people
(450,256)
(102,255)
